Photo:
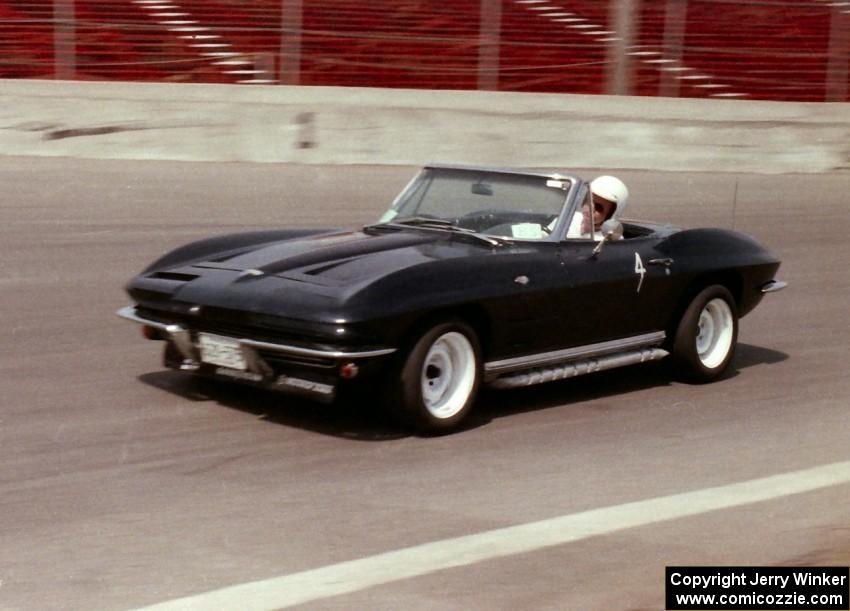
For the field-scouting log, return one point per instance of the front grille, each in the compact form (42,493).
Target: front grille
(277,360)
(238,326)
(242,331)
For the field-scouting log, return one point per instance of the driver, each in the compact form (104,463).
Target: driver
(609,196)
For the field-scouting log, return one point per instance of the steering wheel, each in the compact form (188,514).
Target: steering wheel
(479,219)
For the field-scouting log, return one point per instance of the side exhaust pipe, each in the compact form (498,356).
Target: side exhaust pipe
(577,368)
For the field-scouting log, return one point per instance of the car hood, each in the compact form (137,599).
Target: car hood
(317,277)
(343,258)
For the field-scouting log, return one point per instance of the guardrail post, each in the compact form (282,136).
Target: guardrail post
(488,44)
(837,56)
(675,20)
(291,12)
(64,43)
(624,19)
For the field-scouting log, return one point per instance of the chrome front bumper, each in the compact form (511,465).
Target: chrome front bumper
(258,371)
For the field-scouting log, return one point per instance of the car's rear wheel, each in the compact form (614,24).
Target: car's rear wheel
(705,340)
(439,378)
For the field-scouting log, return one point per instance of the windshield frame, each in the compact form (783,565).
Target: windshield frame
(422,180)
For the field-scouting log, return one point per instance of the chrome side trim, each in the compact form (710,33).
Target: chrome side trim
(304,386)
(773,286)
(180,335)
(496,368)
(578,368)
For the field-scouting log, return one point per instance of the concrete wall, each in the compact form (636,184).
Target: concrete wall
(328,125)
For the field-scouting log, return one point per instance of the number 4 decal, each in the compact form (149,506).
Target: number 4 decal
(639,269)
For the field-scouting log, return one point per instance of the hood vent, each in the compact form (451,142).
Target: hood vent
(179,277)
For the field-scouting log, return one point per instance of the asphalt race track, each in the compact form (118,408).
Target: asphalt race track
(124,485)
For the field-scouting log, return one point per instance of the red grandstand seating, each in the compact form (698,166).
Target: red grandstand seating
(749,49)
(542,54)
(416,44)
(26,45)
(754,53)
(115,40)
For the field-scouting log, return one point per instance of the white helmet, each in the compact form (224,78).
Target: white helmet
(613,189)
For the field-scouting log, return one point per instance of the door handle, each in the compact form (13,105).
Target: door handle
(663,262)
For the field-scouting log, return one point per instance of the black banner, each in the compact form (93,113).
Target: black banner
(758,588)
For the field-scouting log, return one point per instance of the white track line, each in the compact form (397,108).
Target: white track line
(356,575)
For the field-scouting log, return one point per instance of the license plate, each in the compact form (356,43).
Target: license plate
(222,351)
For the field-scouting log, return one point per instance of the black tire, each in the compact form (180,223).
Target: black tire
(438,379)
(706,337)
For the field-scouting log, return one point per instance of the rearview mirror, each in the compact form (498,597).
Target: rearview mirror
(611,229)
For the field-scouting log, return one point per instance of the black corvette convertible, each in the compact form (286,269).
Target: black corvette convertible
(472,276)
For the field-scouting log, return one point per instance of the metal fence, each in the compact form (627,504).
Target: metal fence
(748,49)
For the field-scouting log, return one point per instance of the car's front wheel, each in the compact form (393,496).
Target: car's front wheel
(439,378)
(706,336)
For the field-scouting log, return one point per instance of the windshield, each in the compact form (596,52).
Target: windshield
(483,201)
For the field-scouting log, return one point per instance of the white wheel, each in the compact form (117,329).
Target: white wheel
(706,335)
(438,379)
(448,375)
(715,330)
